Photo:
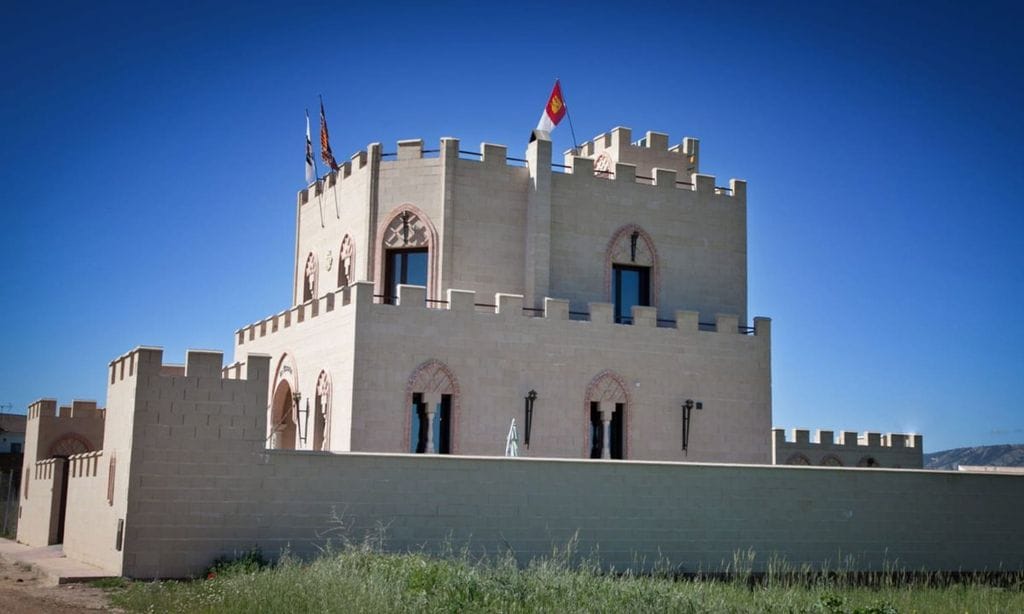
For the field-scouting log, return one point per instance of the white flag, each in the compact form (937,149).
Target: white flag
(310,172)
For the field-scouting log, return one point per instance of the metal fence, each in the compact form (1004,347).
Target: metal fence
(9,493)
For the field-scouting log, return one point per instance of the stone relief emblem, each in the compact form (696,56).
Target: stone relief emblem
(604,166)
(406,230)
(310,280)
(345,257)
(330,260)
(632,249)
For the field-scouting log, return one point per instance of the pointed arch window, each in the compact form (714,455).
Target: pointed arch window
(606,405)
(406,253)
(631,274)
(432,395)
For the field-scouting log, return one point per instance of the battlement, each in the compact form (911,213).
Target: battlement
(650,161)
(48,408)
(198,364)
(505,305)
(334,179)
(866,449)
(85,465)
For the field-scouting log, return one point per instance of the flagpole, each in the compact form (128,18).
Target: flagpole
(316,174)
(337,213)
(575,147)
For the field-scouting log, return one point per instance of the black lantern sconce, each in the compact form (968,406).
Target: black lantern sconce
(301,416)
(688,406)
(529,399)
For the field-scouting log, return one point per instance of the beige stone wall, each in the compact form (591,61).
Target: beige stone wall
(694,515)
(500,226)
(58,430)
(38,512)
(91,529)
(498,357)
(203,485)
(892,450)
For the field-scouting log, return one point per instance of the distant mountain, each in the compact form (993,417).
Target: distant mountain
(998,456)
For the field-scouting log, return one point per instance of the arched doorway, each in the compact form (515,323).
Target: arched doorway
(283,428)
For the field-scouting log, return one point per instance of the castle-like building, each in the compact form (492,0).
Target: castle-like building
(438,295)
(614,287)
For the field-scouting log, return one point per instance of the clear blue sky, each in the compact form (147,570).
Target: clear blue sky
(150,159)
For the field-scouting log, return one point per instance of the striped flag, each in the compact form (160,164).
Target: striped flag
(325,142)
(554,110)
(310,169)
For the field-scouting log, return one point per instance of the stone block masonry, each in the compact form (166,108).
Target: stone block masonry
(198,493)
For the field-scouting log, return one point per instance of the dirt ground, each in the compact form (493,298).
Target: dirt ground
(23,592)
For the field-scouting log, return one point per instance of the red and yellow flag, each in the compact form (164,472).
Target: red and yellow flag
(554,110)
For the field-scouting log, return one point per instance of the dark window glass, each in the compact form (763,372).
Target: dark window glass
(443,422)
(631,285)
(404,266)
(418,426)
(596,432)
(15,448)
(617,429)
(441,425)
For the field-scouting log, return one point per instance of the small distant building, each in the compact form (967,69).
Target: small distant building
(12,433)
(892,450)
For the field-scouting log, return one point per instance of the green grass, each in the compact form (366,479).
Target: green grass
(364,579)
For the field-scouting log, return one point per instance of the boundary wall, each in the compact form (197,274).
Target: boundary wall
(202,485)
(893,450)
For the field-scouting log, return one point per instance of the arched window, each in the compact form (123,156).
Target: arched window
(798,459)
(631,271)
(309,279)
(406,253)
(831,460)
(432,396)
(322,412)
(346,262)
(606,406)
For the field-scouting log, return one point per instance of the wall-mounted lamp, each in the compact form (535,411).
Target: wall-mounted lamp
(301,416)
(688,406)
(529,399)
(632,245)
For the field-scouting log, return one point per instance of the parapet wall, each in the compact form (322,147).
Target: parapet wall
(505,305)
(69,429)
(896,450)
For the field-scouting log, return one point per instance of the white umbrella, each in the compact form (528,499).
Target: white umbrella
(512,441)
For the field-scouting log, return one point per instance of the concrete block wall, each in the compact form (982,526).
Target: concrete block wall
(496,360)
(501,226)
(91,515)
(150,403)
(894,450)
(370,351)
(202,485)
(631,513)
(47,424)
